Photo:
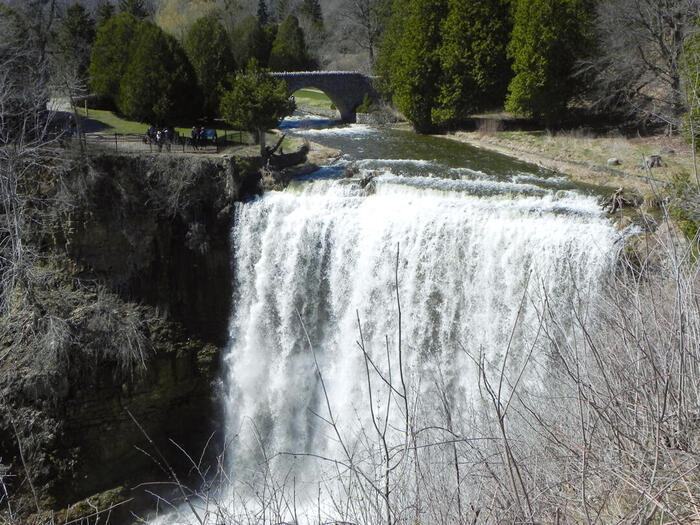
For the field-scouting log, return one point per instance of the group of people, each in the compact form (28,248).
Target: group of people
(166,136)
(201,136)
(161,137)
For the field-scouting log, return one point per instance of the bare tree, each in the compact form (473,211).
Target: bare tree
(25,127)
(639,61)
(691,84)
(364,23)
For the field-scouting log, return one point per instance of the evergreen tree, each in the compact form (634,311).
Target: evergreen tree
(135,8)
(75,37)
(548,37)
(104,13)
(289,48)
(282,10)
(159,86)
(252,40)
(207,46)
(475,68)
(256,102)
(312,10)
(263,16)
(409,62)
(110,55)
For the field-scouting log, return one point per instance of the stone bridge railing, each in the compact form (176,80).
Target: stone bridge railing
(346,89)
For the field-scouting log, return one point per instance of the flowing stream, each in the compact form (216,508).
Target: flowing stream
(365,315)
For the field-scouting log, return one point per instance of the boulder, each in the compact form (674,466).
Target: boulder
(653,161)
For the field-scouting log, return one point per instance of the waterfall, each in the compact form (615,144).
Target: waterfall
(315,358)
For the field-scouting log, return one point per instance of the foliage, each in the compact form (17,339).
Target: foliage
(136,8)
(176,17)
(262,15)
(475,69)
(256,102)
(251,41)
(548,36)
(159,85)
(312,10)
(282,9)
(103,14)
(75,37)
(209,52)
(289,48)
(110,55)
(367,106)
(409,62)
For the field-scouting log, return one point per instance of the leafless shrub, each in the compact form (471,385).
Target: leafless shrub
(639,65)
(26,139)
(612,431)
(110,329)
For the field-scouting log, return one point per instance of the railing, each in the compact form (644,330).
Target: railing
(131,143)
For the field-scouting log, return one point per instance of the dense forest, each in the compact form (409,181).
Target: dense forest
(437,61)
(443,60)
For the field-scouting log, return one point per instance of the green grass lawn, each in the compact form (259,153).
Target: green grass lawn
(243,143)
(107,122)
(312,97)
(102,121)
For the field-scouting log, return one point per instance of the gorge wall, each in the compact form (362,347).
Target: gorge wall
(129,318)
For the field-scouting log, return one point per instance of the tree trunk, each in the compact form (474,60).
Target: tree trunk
(261,134)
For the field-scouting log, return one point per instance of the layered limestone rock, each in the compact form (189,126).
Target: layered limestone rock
(124,331)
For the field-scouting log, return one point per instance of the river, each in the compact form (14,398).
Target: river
(372,322)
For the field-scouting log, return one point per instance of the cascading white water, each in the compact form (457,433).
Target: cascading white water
(471,261)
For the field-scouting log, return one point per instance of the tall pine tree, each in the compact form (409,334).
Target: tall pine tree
(312,10)
(208,47)
(289,48)
(475,68)
(135,8)
(104,13)
(548,37)
(251,40)
(110,55)
(159,86)
(75,37)
(263,16)
(409,62)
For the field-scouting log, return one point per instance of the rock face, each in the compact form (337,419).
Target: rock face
(158,232)
(140,264)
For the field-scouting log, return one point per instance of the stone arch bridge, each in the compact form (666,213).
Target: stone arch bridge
(346,89)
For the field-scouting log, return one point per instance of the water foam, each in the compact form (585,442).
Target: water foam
(312,260)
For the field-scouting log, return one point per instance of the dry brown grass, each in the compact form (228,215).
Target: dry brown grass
(583,155)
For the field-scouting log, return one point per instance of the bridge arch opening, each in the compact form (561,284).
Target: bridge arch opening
(345,89)
(316,99)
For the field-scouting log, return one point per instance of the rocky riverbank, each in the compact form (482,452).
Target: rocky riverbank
(612,161)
